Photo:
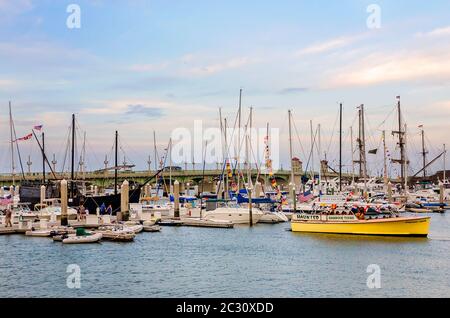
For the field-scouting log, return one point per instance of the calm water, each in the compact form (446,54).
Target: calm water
(265,261)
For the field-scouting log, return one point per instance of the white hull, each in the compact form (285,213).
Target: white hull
(73,239)
(235,215)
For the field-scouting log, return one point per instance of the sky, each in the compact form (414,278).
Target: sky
(143,66)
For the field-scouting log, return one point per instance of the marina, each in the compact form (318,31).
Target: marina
(224,150)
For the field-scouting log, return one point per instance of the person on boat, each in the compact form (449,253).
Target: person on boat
(109,210)
(8,215)
(102,208)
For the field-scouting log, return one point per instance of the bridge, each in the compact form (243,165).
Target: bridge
(105,179)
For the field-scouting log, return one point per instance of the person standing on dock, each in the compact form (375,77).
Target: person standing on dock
(82,212)
(109,210)
(8,217)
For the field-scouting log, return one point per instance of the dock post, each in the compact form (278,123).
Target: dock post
(95,190)
(441,194)
(42,194)
(64,199)
(176,199)
(124,198)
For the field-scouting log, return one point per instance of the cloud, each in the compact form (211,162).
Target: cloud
(445,31)
(143,110)
(214,68)
(407,65)
(293,90)
(330,45)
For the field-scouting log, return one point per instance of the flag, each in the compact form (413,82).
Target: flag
(305,197)
(420,126)
(38,127)
(373,151)
(27,137)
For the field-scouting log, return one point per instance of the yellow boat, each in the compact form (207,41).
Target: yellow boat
(349,224)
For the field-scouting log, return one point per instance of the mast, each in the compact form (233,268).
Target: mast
(401,143)
(12,146)
(353,151)
(226,156)
(116,142)
(385,176)
(43,158)
(405,162)
(340,147)
(239,139)
(72,172)
(290,145)
(312,153)
(154,150)
(445,155)
(424,154)
(170,167)
(320,160)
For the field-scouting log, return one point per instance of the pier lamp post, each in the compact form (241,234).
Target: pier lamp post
(294,196)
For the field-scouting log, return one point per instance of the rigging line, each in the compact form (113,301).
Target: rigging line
(332,133)
(298,138)
(387,117)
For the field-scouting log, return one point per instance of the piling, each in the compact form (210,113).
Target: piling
(176,196)
(42,194)
(441,194)
(64,199)
(95,190)
(124,198)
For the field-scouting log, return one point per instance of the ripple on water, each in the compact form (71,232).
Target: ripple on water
(264,261)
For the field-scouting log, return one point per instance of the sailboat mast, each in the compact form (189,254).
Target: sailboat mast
(290,145)
(320,160)
(116,142)
(12,147)
(340,147)
(353,151)
(72,169)
(312,152)
(239,140)
(385,176)
(43,158)
(154,150)
(424,154)
(401,143)
(445,156)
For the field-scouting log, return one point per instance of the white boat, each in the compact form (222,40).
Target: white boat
(83,239)
(273,217)
(134,227)
(52,207)
(151,228)
(234,213)
(116,232)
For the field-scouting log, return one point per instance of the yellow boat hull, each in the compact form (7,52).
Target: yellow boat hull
(402,226)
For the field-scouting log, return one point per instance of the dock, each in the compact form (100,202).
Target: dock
(205,223)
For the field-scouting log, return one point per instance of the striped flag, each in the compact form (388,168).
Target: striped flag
(38,127)
(27,137)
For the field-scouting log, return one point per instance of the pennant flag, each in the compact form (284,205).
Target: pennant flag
(373,151)
(27,137)
(38,127)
